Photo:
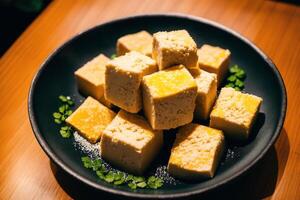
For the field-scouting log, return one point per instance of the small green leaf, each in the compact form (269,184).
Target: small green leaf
(159,182)
(102,169)
(63,98)
(152,178)
(100,174)
(69,112)
(119,182)
(62,109)
(138,179)
(239,83)
(65,134)
(56,115)
(129,178)
(65,128)
(63,118)
(231,78)
(141,184)
(241,74)
(118,176)
(229,85)
(87,162)
(70,102)
(96,164)
(234,69)
(58,121)
(154,182)
(132,185)
(109,177)
(237,88)
(113,56)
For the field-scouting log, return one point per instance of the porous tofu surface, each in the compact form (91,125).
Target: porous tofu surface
(234,112)
(93,71)
(205,81)
(90,119)
(212,56)
(133,62)
(196,152)
(174,47)
(123,78)
(214,59)
(169,97)
(169,81)
(130,142)
(206,94)
(90,78)
(140,42)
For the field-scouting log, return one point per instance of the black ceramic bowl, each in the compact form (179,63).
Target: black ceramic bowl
(55,77)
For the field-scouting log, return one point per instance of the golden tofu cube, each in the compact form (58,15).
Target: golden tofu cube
(214,60)
(90,119)
(196,152)
(206,94)
(90,78)
(123,78)
(140,42)
(169,97)
(234,113)
(173,48)
(130,143)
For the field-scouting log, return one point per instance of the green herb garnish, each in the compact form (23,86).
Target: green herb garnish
(65,131)
(119,178)
(236,78)
(113,56)
(154,182)
(64,111)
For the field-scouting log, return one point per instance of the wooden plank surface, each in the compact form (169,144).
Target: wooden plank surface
(27,173)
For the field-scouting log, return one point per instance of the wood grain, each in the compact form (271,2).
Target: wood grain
(272,25)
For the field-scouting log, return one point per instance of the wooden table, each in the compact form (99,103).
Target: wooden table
(25,170)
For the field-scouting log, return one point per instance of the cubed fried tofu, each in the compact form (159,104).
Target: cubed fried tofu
(123,78)
(173,48)
(90,78)
(169,97)
(234,113)
(206,94)
(196,152)
(214,60)
(130,143)
(90,119)
(140,42)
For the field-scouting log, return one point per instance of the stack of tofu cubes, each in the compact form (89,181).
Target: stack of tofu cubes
(162,82)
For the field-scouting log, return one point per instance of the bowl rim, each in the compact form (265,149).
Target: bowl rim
(46,148)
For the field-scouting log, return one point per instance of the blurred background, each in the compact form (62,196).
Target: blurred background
(15,16)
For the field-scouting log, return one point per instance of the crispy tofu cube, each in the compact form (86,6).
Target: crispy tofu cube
(140,42)
(90,78)
(214,60)
(90,119)
(234,113)
(196,152)
(123,78)
(169,97)
(206,94)
(130,143)
(173,48)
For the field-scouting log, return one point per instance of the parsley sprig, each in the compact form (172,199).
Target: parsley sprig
(236,78)
(119,178)
(64,111)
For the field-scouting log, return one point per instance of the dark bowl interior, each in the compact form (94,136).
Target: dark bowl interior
(56,77)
